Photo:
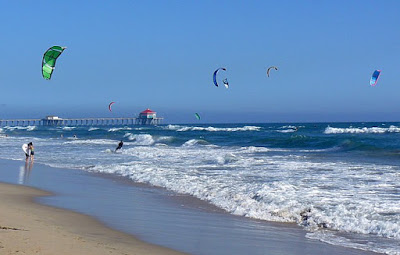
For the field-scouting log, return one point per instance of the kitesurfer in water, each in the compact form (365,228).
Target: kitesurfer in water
(119,146)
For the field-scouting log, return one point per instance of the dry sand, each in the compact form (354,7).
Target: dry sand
(27,227)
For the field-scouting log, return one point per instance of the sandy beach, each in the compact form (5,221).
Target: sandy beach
(27,227)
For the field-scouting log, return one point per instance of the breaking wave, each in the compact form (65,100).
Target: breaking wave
(212,129)
(364,130)
(27,128)
(119,129)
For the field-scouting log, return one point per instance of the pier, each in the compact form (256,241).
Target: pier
(147,117)
(69,122)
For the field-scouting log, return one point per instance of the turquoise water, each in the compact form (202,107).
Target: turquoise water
(339,181)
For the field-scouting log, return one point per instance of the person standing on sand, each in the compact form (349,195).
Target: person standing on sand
(31,150)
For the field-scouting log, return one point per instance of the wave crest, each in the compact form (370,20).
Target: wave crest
(118,129)
(364,130)
(27,128)
(179,128)
(140,139)
(194,142)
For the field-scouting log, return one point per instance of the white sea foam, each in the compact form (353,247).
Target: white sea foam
(67,128)
(93,128)
(287,130)
(165,139)
(142,128)
(254,149)
(365,243)
(109,151)
(212,129)
(119,129)
(172,127)
(193,142)
(147,139)
(363,130)
(140,139)
(27,128)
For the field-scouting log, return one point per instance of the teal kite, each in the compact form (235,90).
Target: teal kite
(49,60)
(197,116)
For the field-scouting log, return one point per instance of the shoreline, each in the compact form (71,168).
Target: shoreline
(155,216)
(28,227)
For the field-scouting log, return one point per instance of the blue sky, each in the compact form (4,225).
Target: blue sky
(161,55)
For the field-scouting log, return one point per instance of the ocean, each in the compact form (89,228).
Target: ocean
(338,181)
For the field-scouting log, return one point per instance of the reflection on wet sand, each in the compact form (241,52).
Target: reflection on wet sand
(25,172)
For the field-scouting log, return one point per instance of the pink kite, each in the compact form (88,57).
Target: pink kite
(109,106)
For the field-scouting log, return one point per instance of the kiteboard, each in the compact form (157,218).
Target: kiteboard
(25,148)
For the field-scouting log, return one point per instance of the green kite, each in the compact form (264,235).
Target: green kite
(49,60)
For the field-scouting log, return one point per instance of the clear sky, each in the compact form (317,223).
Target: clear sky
(162,54)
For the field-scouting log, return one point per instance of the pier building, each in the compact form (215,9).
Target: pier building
(148,117)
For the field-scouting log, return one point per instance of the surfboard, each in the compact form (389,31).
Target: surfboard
(25,148)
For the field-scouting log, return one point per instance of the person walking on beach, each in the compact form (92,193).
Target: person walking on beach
(119,146)
(31,150)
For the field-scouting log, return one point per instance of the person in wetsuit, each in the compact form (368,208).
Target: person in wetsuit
(31,150)
(119,145)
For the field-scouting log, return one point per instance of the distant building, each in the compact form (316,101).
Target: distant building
(51,117)
(147,114)
(51,120)
(148,117)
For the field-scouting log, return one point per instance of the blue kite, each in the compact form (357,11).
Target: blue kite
(374,78)
(225,81)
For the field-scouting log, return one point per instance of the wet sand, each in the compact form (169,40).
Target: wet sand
(27,227)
